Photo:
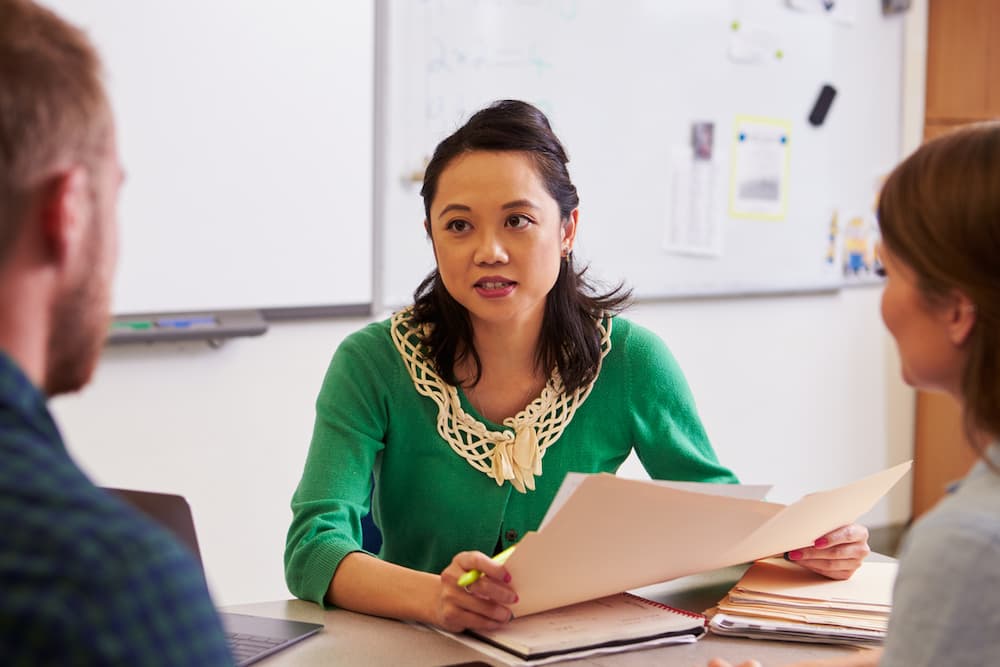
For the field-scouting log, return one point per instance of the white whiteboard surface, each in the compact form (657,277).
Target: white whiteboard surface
(245,129)
(622,83)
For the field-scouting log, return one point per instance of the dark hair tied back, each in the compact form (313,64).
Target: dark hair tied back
(570,338)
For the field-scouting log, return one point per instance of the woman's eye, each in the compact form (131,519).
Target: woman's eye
(879,271)
(518,221)
(457,225)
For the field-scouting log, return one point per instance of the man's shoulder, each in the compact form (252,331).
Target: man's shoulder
(91,575)
(57,522)
(78,529)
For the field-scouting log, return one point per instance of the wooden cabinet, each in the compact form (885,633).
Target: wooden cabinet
(963,86)
(993,62)
(941,453)
(963,60)
(937,128)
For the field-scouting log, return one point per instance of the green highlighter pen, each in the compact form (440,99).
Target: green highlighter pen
(472,576)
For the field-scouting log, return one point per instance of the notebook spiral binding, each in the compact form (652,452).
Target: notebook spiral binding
(683,612)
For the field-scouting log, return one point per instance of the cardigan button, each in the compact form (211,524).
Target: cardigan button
(511,535)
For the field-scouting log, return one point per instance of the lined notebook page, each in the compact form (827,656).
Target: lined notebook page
(614,620)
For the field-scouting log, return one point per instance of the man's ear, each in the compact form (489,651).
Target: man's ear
(961,318)
(64,210)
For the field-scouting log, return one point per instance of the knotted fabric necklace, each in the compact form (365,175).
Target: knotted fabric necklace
(502,455)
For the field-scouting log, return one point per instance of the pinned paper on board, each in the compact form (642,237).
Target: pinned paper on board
(854,239)
(844,12)
(759,181)
(753,44)
(693,228)
(859,239)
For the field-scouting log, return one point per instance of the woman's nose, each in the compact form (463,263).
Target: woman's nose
(490,249)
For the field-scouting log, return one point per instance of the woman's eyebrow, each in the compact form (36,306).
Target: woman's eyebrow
(453,207)
(520,203)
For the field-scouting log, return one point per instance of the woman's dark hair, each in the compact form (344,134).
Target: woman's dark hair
(570,338)
(939,213)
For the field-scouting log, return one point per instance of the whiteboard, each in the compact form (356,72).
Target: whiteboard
(622,82)
(245,128)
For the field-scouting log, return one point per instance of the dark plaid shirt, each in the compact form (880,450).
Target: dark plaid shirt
(85,580)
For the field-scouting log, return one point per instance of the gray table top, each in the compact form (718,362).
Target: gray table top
(349,638)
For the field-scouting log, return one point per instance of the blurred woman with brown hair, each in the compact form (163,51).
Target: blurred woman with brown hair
(939,215)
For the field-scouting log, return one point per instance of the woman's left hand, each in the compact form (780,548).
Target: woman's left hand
(835,555)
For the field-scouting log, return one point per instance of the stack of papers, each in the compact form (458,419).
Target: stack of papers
(779,600)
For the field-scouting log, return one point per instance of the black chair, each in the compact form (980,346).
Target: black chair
(371,536)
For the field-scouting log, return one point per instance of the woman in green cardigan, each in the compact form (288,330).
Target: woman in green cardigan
(470,406)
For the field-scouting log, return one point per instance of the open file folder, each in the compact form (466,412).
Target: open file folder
(778,600)
(613,534)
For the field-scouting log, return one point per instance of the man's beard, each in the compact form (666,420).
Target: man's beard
(80,321)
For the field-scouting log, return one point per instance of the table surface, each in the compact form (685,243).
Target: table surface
(349,638)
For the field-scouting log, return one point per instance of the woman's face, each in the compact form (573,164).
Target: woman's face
(497,236)
(928,336)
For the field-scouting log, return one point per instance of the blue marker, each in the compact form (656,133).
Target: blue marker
(186,322)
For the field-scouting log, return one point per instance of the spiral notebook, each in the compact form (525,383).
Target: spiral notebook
(613,623)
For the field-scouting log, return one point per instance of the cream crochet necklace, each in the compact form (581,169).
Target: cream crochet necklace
(501,455)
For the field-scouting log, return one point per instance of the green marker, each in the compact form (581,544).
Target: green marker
(138,325)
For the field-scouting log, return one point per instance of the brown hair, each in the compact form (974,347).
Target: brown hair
(53,106)
(939,213)
(570,338)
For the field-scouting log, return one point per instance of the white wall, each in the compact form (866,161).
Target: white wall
(795,391)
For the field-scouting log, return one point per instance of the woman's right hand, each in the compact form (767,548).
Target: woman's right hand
(482,605)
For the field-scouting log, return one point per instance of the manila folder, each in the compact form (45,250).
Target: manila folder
(615,534)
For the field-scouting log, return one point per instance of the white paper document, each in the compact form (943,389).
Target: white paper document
(609,534)
(573,480)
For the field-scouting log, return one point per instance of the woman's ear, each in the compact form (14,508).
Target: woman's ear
(961,318)
(568,230)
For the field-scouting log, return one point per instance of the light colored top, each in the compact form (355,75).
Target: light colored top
(946,607)
(429,501)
